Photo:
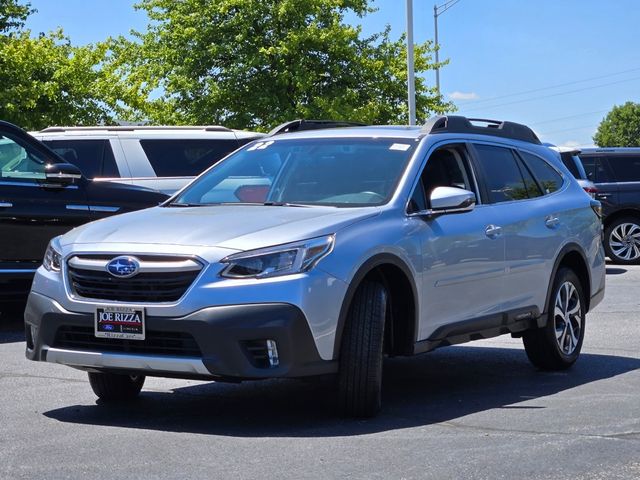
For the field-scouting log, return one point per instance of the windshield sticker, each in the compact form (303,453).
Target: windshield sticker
(260,146)
(402,147)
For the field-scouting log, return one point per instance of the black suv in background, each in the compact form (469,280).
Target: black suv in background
(42,196)
(616,174)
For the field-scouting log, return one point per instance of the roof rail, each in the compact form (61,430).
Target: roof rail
(301,124)
(131,128)
(496,128)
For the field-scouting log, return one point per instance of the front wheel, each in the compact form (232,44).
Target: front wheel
(360,372)
(112,387)
(557,345)
(622,241)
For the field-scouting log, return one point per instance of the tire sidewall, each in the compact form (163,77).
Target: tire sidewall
(565,275)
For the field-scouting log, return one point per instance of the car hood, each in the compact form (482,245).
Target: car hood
(237,227)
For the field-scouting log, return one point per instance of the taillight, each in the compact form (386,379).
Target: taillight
(596,206)
(591,191)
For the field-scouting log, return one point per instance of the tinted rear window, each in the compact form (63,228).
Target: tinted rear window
(502,174)
(549,179)
(185,158)
(596,170)
(93,157)
(625,168)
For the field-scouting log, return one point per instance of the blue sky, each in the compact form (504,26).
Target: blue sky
(556,65)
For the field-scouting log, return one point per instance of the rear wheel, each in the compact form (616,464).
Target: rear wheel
(112,387)
(360,373)
(557,345)
(622,241)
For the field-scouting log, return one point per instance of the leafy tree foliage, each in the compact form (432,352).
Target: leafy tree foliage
(256,63)
(13,15)
(620,128)
(45,81)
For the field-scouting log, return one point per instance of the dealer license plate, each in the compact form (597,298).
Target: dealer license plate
(120,322)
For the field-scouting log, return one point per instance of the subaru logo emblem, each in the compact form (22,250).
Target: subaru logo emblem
(123,267)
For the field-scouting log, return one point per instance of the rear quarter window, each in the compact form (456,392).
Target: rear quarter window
(185,158)
(94,158)
(625,168)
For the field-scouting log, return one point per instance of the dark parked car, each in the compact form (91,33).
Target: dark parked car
(616,174)
(41,196)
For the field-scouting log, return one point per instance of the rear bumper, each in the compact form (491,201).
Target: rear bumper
(218,342)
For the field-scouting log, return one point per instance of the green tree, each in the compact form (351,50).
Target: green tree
(13,15)
(620,128)
(256,63)
(45,81)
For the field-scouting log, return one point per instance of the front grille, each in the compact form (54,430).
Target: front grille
(176,344)
(163,285)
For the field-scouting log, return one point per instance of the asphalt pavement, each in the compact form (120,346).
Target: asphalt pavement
(477,411)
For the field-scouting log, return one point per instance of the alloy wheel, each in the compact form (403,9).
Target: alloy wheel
(567,317)
(624,241)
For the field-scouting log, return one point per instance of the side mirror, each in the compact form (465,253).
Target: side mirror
(60,175)
(445,200)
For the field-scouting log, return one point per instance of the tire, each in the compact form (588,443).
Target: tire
(111,387)
(557,345)
(360,372)
(622,241)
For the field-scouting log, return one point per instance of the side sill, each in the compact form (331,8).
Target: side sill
(514,322)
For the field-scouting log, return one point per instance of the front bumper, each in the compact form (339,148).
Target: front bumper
(214,343)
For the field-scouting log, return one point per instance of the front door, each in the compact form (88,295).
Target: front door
(463,254)
(31,212)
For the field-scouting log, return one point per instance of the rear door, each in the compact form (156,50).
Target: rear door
(530,226)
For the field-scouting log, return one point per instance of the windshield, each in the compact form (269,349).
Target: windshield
(341,172)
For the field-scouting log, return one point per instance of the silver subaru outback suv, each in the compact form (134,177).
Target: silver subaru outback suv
(323,252)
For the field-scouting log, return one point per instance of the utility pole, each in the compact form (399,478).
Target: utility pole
(437,11)
(411,83)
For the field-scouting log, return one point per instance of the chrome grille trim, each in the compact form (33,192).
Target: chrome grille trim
(185,265)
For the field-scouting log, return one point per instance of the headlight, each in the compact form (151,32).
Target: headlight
(279,260)
(52,258)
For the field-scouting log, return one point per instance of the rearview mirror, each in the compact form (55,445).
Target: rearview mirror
(60,175)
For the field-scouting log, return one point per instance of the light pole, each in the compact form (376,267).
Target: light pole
(411,82)
(437,11)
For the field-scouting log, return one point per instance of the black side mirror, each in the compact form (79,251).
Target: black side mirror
(59,175)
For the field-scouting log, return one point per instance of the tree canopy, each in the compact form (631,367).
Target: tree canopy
(239,63)
(256,63)
(620,128)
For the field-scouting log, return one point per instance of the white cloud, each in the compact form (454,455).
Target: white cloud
(570,144)
(464,96)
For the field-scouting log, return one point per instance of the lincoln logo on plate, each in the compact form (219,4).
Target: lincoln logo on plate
(123,267)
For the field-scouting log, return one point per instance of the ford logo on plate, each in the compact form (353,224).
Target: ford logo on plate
(123,267)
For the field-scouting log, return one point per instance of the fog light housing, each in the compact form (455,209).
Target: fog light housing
(262,353)
(272,352)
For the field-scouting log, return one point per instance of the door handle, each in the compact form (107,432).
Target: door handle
(602,195)
(493,231)
(6,205)
(551,221)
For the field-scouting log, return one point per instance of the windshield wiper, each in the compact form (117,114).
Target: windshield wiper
(174,204)
(284,204)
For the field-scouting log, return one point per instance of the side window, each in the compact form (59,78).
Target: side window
(180,158)
(18,161)
(446,167)
(93,157)
(548,178)
(109,167)
(502,174)
(595,169)
(625,168)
